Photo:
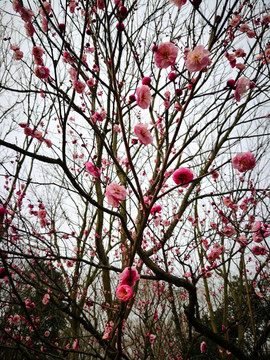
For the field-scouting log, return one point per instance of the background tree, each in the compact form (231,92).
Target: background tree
(134,140)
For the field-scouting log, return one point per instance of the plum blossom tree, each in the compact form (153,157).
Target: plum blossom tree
(134,170)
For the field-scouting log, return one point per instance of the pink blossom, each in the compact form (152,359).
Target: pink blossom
(143,96)
(146,80)
(42,72)
(197,59)
(244,28)
(182,176)
(179,3)
(240,66)
(230,83)
(260,232)
(26,14)
(47,7)
(47,333)
(29,304)
(251,34)
(72,73)
(152,338)
(143,134)
(48,143)
(116,128)
(72,6)
(14,47)
(129,276)
(100,4)
(115,194)
(90,82)
(239,53)
(215,253)
(132,98)
(155,209)
(172,76)
(266,19)
(99,116)
(30,30)
(67,58)
(37,51)
(17,6)
(227,201)
(124,292)
(235,21)
(242,86)
(16,319)
(28,131)
(18,55)
(90,50)
(41,214)
(244,161)
(165,55)
(229,231)
(38,60)
(46,299)
(3,211)
(79,86)
(37,135)
(92,169)
(203,347)
(257,250)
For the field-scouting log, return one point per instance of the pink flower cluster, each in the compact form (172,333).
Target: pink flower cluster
(182,176)
(42,72)
(108,329)
(92,169)
(215,253)
(14,320)
(260,232)
(38,52)
(232,59)
(165,55)
(244,161)
(67,58)
(115,194)
(78,85)
(235,21)
(44,10)
(29,304)
(35,134)
(197,59)
(128,279)
(143,96)
(26,15)
(143,134)
(18,54)
(257,250)
(99,116)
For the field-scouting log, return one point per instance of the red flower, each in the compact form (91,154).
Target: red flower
(182,176)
